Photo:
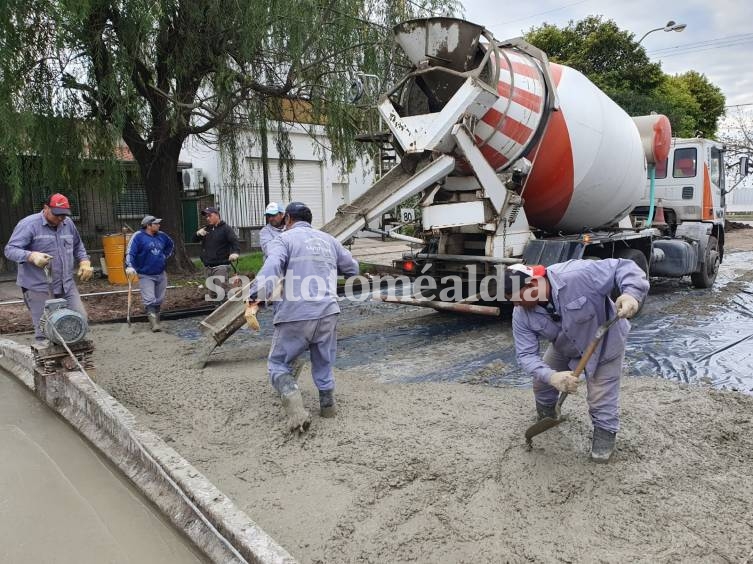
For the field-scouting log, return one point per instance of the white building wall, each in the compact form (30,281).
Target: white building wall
(336,188)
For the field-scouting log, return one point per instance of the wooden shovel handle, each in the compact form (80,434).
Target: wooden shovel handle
(600,332)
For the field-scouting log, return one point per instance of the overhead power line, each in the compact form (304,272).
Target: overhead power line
(719,43)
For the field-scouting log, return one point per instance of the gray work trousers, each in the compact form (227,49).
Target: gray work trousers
(292,338)
(153,288)
(221,275)
(602,389)
(35,302)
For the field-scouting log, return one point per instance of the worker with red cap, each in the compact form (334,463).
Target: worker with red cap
(45,244)
(564,304)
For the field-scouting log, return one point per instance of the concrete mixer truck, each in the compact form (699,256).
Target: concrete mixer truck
(514,159)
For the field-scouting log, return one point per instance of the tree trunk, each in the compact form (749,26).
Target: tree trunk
(160,177)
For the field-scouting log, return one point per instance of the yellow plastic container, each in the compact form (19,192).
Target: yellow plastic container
(115,250)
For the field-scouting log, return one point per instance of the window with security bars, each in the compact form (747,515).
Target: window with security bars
(132,202)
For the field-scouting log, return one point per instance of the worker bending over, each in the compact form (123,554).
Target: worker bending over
(565,304)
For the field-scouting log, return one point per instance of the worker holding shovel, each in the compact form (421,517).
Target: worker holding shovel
(146,256)
(565,304)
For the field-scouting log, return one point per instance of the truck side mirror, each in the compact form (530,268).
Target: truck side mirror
(746,166)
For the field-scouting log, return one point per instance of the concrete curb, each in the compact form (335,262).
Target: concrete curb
(191,502)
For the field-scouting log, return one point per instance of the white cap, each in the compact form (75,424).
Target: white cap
(273,209)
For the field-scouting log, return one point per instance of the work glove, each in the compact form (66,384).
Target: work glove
(85,270)
(202,232)
(233,257)
(250,315)
(627,306)
(131,273)
(564,381)
(39,259)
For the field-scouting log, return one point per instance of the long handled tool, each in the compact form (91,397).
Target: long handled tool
(130,301)
(549,422)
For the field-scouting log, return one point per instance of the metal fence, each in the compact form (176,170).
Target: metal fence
(241,205)
(95,213)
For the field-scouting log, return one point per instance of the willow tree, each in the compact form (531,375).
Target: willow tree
(77,77)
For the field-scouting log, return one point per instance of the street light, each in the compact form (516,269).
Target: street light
(671,26)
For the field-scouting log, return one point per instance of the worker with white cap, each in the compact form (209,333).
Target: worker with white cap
(147,254)
(564,304)
(273,229)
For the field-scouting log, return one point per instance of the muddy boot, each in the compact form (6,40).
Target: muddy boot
(327,403)
(153,318)
(602,445)
(298,419)
(544,411)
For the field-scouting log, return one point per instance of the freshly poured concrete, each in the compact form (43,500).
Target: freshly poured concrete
(61,502)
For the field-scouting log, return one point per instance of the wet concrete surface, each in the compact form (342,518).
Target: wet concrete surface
(61,502)
(683,334)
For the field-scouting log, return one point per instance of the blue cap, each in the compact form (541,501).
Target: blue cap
(297,210)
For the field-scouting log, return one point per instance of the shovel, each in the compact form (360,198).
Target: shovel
(130,301)
(549,422)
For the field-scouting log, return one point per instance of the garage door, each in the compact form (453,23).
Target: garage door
(306,186)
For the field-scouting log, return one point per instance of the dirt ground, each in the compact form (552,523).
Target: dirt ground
(439,472)
(15,318)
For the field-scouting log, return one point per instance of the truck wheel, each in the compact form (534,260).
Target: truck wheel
(636,256)
(710,267)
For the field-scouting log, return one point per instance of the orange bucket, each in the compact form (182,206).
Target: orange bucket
(115,250)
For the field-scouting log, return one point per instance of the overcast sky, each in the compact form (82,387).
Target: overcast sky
(718,40)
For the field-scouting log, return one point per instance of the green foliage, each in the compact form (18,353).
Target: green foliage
(612,60)
(154,73)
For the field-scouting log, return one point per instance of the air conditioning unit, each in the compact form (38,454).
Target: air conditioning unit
(192,179)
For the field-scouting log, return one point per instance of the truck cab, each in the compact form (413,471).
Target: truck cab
(689,184)
(689,208)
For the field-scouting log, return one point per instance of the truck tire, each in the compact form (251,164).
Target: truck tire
(636,256)
(710,267)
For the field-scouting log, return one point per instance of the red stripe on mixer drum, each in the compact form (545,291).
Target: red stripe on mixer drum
(526,99)
(526,69)
(518,132)
(550,185)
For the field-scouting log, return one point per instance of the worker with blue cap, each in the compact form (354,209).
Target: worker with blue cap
(307,262)
(564,304)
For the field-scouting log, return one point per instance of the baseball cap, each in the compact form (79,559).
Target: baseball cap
(149,219)
(518,275)
(297,210)
(273,209)
(59,205)
(207,211)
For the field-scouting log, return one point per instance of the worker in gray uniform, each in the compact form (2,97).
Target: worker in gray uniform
(273,228)
(564,304)
(44,244)
(307,261)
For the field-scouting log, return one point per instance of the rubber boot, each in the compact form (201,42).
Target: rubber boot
(602,446)
(544,411)
(327,406)
(153,318)
(298,419)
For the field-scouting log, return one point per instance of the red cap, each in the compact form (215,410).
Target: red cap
(59,205)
